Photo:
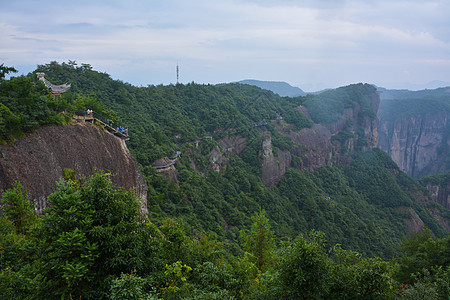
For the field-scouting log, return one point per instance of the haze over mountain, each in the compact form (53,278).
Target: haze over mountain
(278,87)
(407,91)
(415,128)
(442,91)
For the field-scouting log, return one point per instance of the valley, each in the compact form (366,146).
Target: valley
(303,173)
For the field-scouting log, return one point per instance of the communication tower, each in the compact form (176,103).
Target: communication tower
(178,73)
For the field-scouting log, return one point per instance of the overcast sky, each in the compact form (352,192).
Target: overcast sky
(312,44)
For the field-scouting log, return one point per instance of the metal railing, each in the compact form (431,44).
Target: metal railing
(119,130)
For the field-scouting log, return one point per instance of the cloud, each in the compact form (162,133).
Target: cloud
(220,40)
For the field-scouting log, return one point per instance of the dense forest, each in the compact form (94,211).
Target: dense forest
(338,232)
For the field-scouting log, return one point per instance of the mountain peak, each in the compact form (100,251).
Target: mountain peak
(278,87)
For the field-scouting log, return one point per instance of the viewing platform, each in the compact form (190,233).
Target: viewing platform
(96,118)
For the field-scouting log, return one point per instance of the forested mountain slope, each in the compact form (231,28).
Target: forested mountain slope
(251,196)
(238,140)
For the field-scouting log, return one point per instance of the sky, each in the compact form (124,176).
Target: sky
(311,44)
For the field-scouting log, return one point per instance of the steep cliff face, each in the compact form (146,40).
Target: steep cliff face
(38,160)
(273,167)
(418,143)
(351,125)
(440,193)
(327,143)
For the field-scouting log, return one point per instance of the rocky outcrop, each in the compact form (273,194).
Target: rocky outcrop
(414,222)
(273,166)
(166,167)
(217,159)
(419,144)
(333,143)
(233,145)
(324,144)
(313,146)
(38,160)
(440,193)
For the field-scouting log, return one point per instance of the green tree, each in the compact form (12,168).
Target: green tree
(260,241)
(304,268)
(4,70)
(92,233)
(421,252)
(354,277)
(67,255)
(130,286)
(18,209)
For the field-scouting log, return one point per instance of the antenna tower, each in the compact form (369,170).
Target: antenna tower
(178,73)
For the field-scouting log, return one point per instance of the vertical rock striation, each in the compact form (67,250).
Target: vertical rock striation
(327,143)
(440,193)
(273,167)
(419,144)
(38,160)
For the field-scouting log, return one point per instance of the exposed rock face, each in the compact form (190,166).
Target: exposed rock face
(324,144)
(38,160)
(314,147)
(354,130)
(217,159)
(414,222)
(233,145)
(418,144)
(273,167)
(440,193)
(166,167)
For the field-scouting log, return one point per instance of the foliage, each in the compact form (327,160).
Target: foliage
(66,257)
(441,179)
(356,277)
(427,286)
(89,234)
(421,252)
(304,268)
(25,105)
(176,284)
(93,242)
(327,107)
(4,70)
(260,242)
(402,108)
(17,208)
(129,286)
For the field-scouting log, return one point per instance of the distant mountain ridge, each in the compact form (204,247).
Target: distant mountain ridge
(278,87)
(388,94)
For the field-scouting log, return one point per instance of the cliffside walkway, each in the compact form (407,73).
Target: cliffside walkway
(164,166)
(94,117)
(166,162)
